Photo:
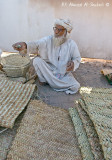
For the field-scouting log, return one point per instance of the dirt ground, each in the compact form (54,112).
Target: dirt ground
(88,74)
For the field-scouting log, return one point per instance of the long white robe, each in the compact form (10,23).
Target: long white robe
(51,65)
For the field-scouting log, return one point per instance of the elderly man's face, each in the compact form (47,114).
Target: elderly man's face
(58,31)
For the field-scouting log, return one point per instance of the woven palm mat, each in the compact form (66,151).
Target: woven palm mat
(14,96)
(91,133)
(98,105)
(104,93)
(45,133)
(18,79)
(81,135)
(2,76)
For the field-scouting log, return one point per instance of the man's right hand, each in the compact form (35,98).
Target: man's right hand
(19,46)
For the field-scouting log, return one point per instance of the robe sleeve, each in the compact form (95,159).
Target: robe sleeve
(36,46)
(75,55)
(32,47)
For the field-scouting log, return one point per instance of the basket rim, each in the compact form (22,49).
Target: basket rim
(14,66)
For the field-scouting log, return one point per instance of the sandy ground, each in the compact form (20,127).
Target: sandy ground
(88,74)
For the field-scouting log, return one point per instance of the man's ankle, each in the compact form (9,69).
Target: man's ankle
(42,83)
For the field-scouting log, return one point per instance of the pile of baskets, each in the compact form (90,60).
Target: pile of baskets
(15,65)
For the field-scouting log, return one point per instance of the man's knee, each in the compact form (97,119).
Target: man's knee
(36,61)
(78,85)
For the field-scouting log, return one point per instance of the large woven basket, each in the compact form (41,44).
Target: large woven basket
(15,65)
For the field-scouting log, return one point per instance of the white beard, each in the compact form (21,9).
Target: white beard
(57,41)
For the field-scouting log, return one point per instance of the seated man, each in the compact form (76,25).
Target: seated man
(57,57)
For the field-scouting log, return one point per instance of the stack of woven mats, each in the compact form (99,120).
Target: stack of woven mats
(14,97)
(47,133)
(92,118)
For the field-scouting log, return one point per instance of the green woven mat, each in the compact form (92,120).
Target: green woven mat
(81,135)
(98,105)
(91,133)
(89,90)
(97,93)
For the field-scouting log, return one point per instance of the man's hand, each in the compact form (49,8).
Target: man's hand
(19,46)
(70,66)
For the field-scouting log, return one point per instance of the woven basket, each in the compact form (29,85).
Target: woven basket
(15,65)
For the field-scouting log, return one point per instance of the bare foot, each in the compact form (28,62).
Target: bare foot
(42,83)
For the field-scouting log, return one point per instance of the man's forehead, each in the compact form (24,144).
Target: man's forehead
(59,26)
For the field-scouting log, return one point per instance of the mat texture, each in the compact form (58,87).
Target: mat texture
(2,76)
(81,135)
(14,96)
(45,133)
(91,132)
(98,105)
